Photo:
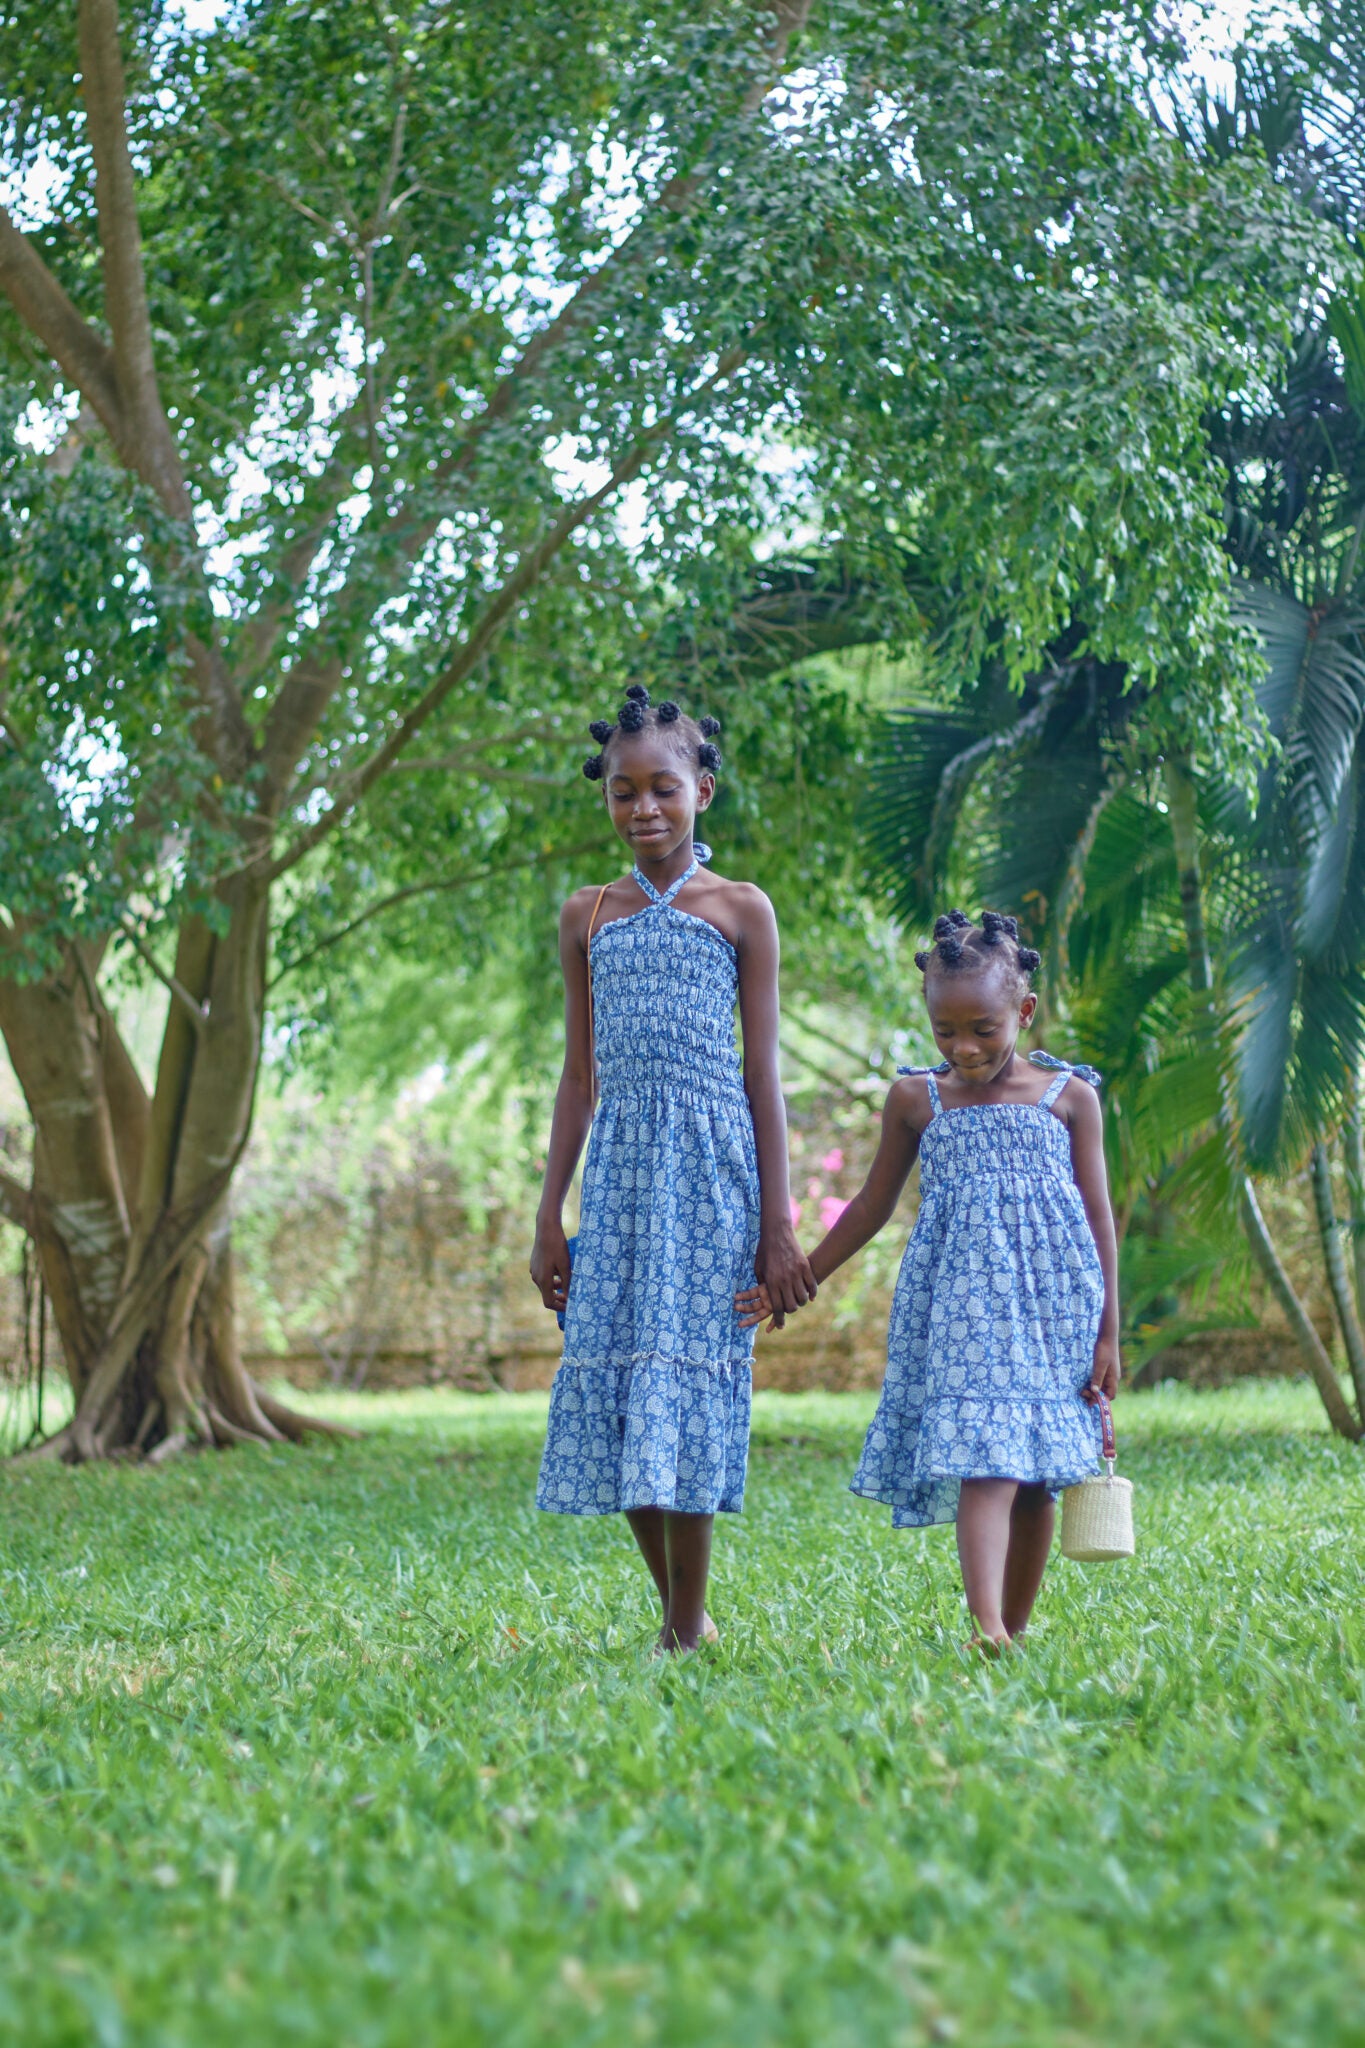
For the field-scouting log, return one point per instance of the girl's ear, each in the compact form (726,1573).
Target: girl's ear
(706,789)
(1028,1009)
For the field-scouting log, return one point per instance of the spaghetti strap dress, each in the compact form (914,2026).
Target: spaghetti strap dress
(650,1405)
(995,1315)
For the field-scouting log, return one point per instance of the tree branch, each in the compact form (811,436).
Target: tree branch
(196,1012)
(523,579)
(118,383)
(262,628)
(304,697)
(443,886)
(84,360)
(150,444)
(16,1203)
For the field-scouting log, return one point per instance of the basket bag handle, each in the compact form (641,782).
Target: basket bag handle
(1107,1449)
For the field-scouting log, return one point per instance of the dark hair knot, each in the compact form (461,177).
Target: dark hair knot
(693,739)
(958,945)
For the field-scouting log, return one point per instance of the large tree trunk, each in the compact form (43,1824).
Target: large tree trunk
(128,1209)
(1182,808)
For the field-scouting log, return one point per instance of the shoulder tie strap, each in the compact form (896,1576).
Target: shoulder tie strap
(1063,1069)
(929,1073)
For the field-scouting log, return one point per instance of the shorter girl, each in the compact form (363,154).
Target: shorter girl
(1004,1327)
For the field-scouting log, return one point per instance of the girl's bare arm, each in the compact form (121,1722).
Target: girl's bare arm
(780,1264)
(1085,1123)
(873,1206)
(573,1106)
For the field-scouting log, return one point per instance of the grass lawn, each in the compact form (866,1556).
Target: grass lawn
(351,1747)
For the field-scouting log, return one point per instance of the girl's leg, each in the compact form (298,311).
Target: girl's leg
(648,1527)
(983,1542)
(1031,1523)
(689,1563)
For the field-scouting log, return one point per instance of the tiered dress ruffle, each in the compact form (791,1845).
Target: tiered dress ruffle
(650,1405)
(995,1317)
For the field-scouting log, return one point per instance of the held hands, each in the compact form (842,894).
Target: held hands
(1105,1374)
(550,1264)
(785,1281)
(754,1306)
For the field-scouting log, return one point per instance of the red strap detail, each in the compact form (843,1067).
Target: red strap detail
(1106,1426)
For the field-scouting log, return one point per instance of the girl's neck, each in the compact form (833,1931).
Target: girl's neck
(663,873)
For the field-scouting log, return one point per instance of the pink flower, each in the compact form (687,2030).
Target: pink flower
(813,1189)
(795,1208)
(833,1162)
(831,1209)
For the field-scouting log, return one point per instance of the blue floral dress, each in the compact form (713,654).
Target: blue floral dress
(650,1405)
(995,1317)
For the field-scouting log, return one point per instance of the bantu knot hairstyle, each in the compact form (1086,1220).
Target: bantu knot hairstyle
(694,739)
(959,945)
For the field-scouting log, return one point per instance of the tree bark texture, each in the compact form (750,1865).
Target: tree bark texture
(128,1207)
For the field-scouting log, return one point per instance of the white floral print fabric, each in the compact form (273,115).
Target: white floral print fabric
(650,1405)
(995,1316)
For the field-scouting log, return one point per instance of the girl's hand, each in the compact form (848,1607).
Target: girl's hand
(550,1265)
(1105,1374)
(783,1270)
(752,1305)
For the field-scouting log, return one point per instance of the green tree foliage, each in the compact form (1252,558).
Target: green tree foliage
(1208,934)
(381,375)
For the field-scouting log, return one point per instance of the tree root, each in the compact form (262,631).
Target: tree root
(226,1431)
(169,1447)
(58,1446)
(296,1427)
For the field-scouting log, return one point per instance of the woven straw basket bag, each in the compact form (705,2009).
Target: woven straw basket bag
(1097,1515)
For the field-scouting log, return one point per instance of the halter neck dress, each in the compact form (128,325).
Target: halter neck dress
(650,1405)
(995,1316)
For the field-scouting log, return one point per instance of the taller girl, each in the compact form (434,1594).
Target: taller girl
(685,1195)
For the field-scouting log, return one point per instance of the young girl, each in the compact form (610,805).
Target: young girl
(685,1195)
(1004,1327)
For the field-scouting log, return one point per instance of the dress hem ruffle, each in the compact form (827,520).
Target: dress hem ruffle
(647,1431)
(915,1464)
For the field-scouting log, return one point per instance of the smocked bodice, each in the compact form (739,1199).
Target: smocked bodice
(998,1140)
(663,990)
(664,986)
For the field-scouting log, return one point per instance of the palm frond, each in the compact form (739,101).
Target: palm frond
(912,755)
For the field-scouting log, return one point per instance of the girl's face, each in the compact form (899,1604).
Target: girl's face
(652,795)
(976,1021)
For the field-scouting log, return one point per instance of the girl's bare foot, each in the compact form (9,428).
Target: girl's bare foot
(709,1634)
(990,1646)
